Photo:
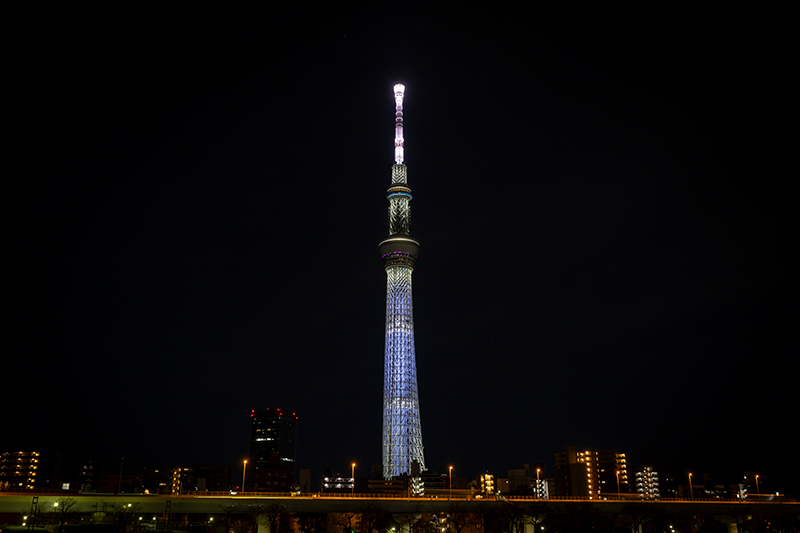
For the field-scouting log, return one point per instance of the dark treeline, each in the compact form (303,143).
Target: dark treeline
(507,517)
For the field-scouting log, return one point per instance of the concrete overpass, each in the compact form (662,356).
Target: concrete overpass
(163,507)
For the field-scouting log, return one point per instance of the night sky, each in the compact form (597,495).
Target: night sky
(602,225)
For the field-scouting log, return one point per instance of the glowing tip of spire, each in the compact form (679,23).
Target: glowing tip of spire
(399,88)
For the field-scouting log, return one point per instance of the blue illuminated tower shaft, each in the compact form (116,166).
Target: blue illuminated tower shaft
(402,432)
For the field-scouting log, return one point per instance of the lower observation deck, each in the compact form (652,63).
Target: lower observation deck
(399,250)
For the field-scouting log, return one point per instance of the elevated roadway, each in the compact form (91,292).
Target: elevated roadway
(212,504)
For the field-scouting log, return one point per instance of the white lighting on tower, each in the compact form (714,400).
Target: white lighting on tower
(399,92)
(402,433)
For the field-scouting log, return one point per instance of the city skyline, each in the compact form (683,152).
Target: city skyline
(603,244)
(579,472)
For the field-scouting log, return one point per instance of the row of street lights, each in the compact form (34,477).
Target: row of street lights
(691,490)
(353,477)
(450,472)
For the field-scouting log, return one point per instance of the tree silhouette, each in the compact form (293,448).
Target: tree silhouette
(270,516)
(374,518)
(230,517)
(67,508)
(344,522)
(458,520)
(312,522)
(123,514)
(512,517)
(487,518)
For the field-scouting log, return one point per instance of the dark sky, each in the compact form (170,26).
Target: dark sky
(603,261)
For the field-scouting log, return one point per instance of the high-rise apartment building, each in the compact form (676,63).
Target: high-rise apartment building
(18,470)
(271,466)
(595,474)
(29,470)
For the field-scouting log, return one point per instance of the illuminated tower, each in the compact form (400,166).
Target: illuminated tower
(402,433)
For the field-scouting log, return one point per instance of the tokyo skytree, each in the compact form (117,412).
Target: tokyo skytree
(402,433)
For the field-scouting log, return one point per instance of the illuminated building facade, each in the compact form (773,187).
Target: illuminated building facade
(647,483)
(541,488)
(179,482)
(86,477)
(200,478)
(402,432)
(488,483)
(337,483)
(595,474)
(331,482)
(18,470)
(271,465)
(29,470)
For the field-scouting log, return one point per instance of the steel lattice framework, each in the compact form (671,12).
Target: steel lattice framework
(402,432)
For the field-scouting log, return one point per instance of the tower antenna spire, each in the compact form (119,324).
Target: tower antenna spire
(402,432)
(399,93)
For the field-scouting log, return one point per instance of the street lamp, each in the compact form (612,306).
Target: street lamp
(617,483)
(757,489)
(244,472)
(538,492)
(691,492)
(451,482)
(353,476)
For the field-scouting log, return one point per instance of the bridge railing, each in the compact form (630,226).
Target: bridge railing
(456,496)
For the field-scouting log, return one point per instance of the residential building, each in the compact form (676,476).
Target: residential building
(594,474)
(647,483)
(200,478)
(29,470)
